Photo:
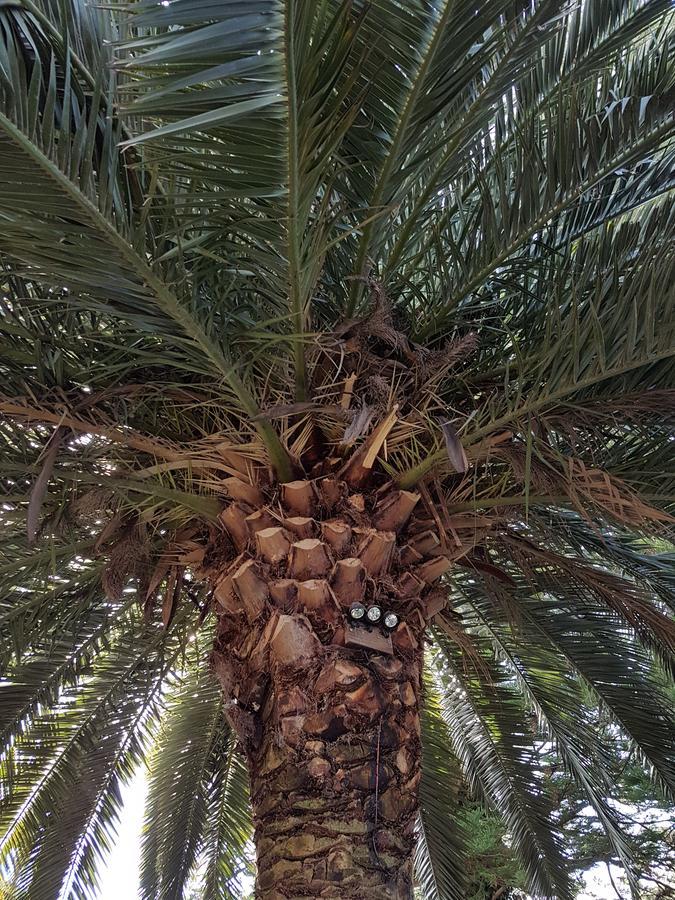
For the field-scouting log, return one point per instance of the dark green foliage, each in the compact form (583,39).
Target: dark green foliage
(492,865)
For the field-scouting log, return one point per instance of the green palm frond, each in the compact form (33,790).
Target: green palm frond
(93,734)
(650,567)
(555,641)
(440,860)
(197,820)
(226,846)
(489,731)
(622,674)
(496,198)
(439,109)
(284,143)
(66,192)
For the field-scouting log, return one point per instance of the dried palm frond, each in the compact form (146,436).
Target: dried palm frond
(437,364)
(127,558)
(612,496)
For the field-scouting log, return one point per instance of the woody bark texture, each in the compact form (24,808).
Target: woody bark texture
(326,710)
(334,778)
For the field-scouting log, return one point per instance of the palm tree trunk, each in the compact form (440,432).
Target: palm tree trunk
(326,710)
(334,779)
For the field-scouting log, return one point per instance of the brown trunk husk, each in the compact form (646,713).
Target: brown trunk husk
(326,712)
(334,778)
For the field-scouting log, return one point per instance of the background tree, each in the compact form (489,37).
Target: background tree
(307,303)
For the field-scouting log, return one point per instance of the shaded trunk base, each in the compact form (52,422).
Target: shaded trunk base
(334,779)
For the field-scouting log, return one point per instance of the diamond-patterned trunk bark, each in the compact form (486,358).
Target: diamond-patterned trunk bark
(326,709)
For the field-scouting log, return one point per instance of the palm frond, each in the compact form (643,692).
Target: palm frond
(440,854)
(92,735)
(547,671)
(66,193)
(197,819)
(489,732)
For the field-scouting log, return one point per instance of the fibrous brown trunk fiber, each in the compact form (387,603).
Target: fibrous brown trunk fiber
(334,778)
(326,709)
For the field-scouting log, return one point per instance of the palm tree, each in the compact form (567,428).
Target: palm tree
(336,390)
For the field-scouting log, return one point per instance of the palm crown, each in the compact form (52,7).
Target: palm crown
(430,243)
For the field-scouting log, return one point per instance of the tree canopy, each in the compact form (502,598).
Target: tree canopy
(251,235)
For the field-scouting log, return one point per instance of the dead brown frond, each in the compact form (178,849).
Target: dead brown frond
(611,495)
(95,424)
(283,410)
(465,533)
(128,558)
(460,534)
(185,549)
(92,506)
(635,407)
(485,449)
(434,365)
(302,437)
(543,478)
(360,464)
